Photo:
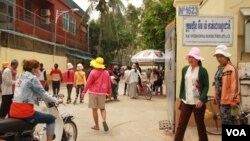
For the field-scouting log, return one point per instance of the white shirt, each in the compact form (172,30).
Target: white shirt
(133,76)
(126,73)
(192,93)
(7,82)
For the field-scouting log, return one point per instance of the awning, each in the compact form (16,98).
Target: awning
(81,56)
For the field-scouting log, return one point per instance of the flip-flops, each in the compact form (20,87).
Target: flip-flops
(95,128)
(105,126)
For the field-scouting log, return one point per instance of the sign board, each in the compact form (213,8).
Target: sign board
(188,10)
(207,31)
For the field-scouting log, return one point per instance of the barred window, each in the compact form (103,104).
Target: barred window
(66,21)
(28,9)
(72,25)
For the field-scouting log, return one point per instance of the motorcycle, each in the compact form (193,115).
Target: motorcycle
(12,129)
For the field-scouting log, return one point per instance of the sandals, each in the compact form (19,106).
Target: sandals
(105,126)
(95,128)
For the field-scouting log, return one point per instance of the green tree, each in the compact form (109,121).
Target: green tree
(104,6)
(132,16)
(94,29)
(156,15)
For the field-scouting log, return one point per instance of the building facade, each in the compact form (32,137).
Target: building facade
(211,23)
(208,23)
(46,30)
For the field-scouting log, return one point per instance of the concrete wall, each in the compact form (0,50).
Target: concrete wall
(7,54)
(213,8)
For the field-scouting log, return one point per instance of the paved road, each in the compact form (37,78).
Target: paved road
(128,119)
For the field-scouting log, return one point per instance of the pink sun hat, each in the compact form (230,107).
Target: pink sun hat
(196,53)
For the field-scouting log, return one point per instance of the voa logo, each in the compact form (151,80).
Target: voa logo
(236,132)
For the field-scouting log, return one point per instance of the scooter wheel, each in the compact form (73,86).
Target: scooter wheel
(69,131)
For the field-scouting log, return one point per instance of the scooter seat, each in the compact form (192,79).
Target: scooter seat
(15,125)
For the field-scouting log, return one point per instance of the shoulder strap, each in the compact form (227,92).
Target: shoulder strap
(99,75)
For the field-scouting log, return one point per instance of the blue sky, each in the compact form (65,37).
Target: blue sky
(84,5)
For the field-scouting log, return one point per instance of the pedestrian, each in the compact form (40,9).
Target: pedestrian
(117,74)
(109,69)
(126,73)
(114,87)
(157,83)
(148,73)
(138,67)
(28,91)
(43,77)
(4,66)
(226,85)
(9,77)
(139,76)
(193,95)
(57,77)
(89,70)
(122,70)
(98,86)
(154,72)
(68,78)
(79,82)
(133,80)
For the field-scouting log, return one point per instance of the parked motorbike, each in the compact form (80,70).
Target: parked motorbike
(12,129)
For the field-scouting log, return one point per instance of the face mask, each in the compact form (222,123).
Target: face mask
(37,73)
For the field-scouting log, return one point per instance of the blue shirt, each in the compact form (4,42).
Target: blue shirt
(28,89)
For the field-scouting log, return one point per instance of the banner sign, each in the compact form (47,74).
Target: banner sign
(207,31)
(188,10)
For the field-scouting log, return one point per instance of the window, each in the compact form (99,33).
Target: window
(27,5)
(72,25)
(246,14)
(247,35)
(10,13)
(66,21)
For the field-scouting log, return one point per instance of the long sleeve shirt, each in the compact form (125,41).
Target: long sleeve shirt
(8,82)
(98,83)
(56,75)
(80,78)
(203,83)
(28,90)
(68,76)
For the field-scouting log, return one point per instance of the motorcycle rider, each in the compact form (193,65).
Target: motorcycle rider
(28,90)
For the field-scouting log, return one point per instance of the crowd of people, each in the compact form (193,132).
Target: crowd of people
(102,82)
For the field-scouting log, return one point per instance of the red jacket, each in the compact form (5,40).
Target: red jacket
(68,76)
(56,75)
(98,83)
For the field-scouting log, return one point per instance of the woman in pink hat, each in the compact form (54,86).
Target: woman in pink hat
(193,94)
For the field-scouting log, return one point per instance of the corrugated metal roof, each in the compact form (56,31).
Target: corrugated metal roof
(72,4)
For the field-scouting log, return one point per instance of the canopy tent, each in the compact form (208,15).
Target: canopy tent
(149,56)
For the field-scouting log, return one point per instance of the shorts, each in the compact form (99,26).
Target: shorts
(97,101)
